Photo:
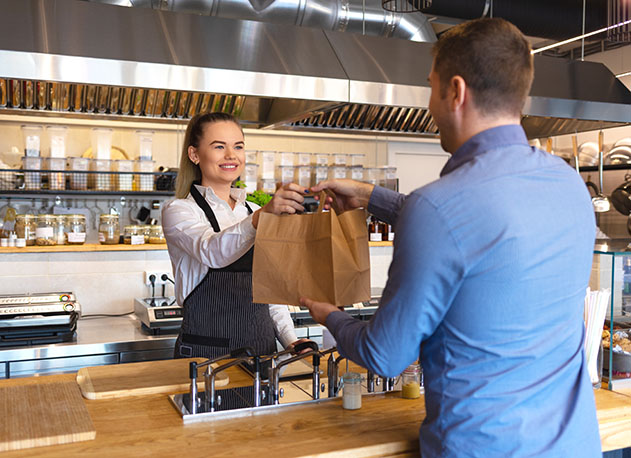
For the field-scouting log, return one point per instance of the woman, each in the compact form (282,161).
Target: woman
(210,231)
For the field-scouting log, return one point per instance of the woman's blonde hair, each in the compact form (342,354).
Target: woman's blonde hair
(190,172)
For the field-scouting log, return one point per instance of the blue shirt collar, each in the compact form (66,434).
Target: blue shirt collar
(484,141)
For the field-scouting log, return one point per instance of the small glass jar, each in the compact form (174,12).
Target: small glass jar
(133,235)
(75,229)
(45,231)
(25,227)
(351,391)
(411,382)
(109,229)
(145,230)
(156,235)
(60,229)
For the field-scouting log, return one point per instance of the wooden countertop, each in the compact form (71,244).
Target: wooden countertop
(386,425)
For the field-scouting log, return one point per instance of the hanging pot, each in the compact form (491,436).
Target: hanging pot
(621,196)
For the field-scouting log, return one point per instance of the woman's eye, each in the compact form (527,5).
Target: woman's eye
(239,147)
(218,146)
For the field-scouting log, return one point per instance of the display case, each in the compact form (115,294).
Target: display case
(612,269)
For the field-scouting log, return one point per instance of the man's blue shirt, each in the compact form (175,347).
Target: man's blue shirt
(487,283)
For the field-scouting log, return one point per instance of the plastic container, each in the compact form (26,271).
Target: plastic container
(156,235)
(303,175)
(144,182)
(250,175)
(339,159)
(286,159)
(356,159)
(57,138)
(32,140)
(145,144)
(101,143)
(133,235)
(75,229)
(371,175)
(351,391)
(286,174)
(303,159)
(124,181)
(268,185)
(101,181)
(337,171)
(267,162)
(60,229)
(250,156)
(390,177)
(321,173)
(411,382)
(356,172)
(32,180)
(25,227)
(57,179)
(109,229)
(78,181)
(321,159)
(45,231)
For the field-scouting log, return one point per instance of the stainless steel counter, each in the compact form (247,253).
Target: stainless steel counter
(106,340)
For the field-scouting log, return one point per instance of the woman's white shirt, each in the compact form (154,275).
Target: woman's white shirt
(194,246)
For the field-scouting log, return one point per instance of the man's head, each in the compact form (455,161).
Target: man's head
(491,59)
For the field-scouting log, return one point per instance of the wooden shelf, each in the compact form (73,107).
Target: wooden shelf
(82,248)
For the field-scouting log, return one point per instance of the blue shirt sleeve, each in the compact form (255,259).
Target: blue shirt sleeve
(426,271)
(386,204)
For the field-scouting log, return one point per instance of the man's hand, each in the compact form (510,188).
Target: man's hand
(287,199)
(349,194)
(319,310)
(292,345)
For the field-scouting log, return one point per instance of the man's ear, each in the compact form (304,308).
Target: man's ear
(457,91)
(192,155)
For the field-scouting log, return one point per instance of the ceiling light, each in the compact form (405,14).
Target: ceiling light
(580,37)
(621,75)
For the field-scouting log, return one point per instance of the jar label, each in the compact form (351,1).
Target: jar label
(101,237)
(375,237)
(44,233)
(77,237)
(137,239)
(390,236)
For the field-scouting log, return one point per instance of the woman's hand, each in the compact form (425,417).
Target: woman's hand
(349,194)
(292,345)
(287,199)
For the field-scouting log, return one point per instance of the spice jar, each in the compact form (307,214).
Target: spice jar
(60,229)
(145,230)
(75,229)
(411,382)
(45,231)
(25,227)
(156,235)
(133,235)
(109,230)
(351,391)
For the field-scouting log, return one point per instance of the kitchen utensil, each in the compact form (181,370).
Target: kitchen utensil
(620,154)
(623,142)
(549,145)
(621,196)
(575,151)
(36,415)
(600,202)
(139,379)
(588,153)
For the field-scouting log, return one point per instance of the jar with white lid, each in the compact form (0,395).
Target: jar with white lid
(75,229)
(133,235)
(25,227)
(109,229)
(45,231)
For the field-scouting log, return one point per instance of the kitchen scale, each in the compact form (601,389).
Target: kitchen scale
(158,315)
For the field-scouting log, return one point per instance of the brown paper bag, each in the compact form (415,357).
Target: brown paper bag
(322,256)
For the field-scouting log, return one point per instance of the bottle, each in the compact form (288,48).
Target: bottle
(351,394)
(390,233)
(374,233)
(411,382)
(384,230)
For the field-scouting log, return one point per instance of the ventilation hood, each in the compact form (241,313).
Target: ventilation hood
(73,58)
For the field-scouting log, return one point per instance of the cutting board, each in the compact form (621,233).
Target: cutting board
(139,379)
(36,415)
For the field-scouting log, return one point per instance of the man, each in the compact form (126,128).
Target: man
(489,269)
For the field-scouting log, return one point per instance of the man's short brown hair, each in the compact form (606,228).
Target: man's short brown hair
(494,59)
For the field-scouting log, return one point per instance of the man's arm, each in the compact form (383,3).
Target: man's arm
(426,272)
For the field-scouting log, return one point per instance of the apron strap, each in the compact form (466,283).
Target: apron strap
(204,206)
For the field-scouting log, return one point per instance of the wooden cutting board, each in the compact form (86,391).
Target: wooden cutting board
(36,415)
(138,379)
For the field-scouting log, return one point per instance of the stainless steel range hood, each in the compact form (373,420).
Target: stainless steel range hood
(88,59)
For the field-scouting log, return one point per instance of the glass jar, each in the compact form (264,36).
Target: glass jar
(156,235)
(352,391)
(133,235)
(60,229)
(25,227)
(45,231)
(109,230)
(145,230)
(411,382)
(75,229)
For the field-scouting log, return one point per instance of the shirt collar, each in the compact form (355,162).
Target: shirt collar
(238,194)
(484,141)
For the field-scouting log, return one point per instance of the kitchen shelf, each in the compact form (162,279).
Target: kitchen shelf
(88,247)
(379,244)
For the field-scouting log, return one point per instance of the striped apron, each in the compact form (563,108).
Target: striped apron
(219,315)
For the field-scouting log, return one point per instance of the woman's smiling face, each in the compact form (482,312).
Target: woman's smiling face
(220,153)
